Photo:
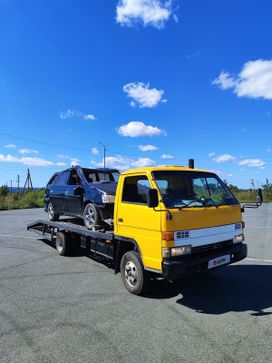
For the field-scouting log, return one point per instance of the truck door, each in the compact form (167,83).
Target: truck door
(137,221)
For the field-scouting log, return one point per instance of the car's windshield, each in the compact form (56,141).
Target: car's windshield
(197,189)
(93,176)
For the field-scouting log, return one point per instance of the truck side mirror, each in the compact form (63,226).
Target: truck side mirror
(259,196)
(152,198)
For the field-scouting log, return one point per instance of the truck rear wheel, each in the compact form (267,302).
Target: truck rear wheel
(135,278)
(65,244)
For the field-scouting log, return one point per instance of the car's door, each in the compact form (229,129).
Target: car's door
(56,191)
(73,196)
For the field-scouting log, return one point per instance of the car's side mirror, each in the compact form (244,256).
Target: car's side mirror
(259,201)
(152,198)
(78,190)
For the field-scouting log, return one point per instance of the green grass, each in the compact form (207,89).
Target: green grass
(28,200)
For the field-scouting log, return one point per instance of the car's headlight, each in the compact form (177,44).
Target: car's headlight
(176,251)
(108,198)
(239,238)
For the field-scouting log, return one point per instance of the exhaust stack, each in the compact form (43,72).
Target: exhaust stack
(191,163)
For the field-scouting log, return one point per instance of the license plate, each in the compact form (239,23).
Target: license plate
(219,261)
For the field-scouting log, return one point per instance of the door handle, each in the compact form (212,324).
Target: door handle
(120,220)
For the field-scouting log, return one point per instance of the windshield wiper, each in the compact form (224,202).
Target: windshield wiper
(192,201)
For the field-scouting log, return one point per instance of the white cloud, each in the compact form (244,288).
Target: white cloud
(71,113)
(211,154)
(64,157)
(142,162)
(256,163)
(142,95)
(28,151)
(89,116)
(138,128)
(167,156)
(94,151)
(146,12)
(224,158)
(124,163)
(254,80)
(224,81)
(61,163)
(32,161)
(10,146)
(74,162)
(147,147)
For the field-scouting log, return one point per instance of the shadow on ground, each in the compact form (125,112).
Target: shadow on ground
(240,287)
(233,288)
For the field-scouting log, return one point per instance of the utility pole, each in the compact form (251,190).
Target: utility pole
(104,154)
(10,186)
(28,183)
(18,183)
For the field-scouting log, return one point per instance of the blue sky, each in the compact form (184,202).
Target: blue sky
(157,82)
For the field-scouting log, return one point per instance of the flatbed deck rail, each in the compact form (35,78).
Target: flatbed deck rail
(48,227)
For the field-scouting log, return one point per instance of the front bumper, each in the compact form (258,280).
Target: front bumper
(196,263)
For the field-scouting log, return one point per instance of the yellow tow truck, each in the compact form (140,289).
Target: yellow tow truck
(169,221)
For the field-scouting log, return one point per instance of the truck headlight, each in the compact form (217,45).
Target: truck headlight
(239,238)
(176,251)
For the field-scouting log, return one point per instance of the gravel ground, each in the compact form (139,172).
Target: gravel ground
(74,309)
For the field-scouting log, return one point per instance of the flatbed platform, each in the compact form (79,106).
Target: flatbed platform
(48,227)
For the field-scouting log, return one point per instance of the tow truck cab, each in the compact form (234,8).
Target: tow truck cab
(181,220)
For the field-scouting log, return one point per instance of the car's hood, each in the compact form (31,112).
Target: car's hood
(109,188)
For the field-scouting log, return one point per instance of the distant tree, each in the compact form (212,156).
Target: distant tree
(233,188)
(4,191)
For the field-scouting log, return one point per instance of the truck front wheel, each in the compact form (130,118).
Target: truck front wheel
(135,278)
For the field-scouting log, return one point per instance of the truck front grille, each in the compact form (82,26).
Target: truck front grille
(211,247)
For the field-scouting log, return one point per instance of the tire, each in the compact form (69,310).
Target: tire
(51,213)
(135,278)
(64,244)
(91,216)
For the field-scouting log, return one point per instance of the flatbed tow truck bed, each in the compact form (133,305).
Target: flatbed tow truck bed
(69,237)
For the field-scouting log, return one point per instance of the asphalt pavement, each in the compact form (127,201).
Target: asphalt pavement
(74,309)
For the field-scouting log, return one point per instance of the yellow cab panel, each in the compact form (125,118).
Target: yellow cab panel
(135,220)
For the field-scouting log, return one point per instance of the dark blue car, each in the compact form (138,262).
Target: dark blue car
(82,192)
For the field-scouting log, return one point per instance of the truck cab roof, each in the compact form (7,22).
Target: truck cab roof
(150,169)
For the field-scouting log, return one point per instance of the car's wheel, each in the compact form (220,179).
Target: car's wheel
(91,216)
(135,278)
(52,215)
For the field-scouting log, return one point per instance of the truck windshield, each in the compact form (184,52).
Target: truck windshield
(180,189)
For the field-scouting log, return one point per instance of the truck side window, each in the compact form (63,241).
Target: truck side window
(135,189)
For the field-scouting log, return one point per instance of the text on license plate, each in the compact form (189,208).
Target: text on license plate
(219,261)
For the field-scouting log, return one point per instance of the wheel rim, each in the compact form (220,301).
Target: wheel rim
(90,216)
(50,210)
(131,273)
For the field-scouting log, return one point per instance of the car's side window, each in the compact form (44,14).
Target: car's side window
(74,178)
(61,179)
(135,189)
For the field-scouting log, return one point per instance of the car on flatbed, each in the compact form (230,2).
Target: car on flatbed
(82,192)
